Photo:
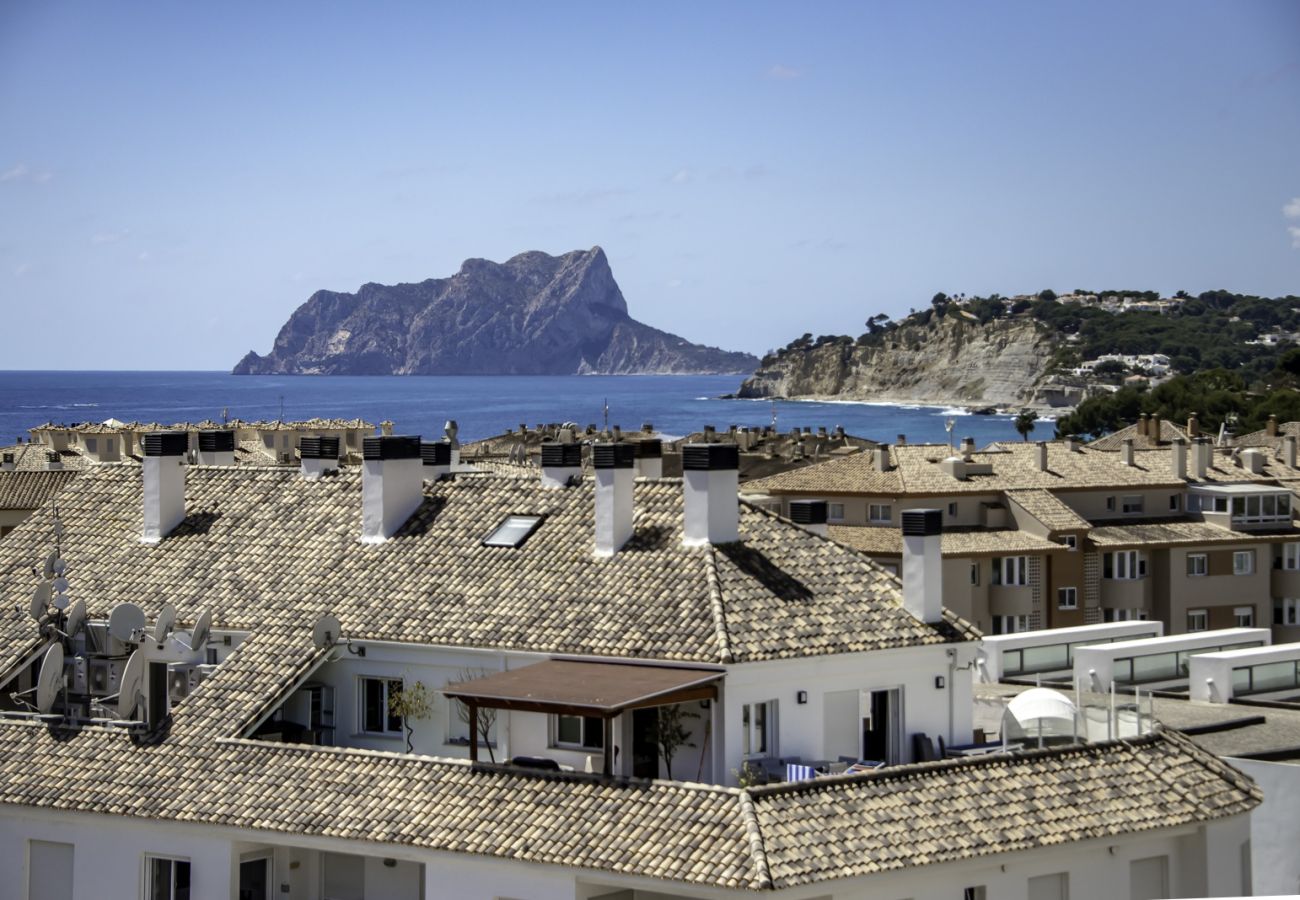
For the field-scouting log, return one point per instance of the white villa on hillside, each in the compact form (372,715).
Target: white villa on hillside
(633,689)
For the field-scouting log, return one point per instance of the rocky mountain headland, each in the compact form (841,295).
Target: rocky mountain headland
(534,314)
(1002,363)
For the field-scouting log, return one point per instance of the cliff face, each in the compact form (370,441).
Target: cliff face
(532,315)
(946,362)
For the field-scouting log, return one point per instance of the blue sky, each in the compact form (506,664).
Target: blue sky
(176,178)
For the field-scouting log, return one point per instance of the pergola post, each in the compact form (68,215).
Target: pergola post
(608,724)
(473,731)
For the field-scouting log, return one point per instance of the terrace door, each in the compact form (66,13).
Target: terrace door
(255,879)
(882,726)
(645,743)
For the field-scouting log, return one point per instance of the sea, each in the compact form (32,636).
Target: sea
(482,405)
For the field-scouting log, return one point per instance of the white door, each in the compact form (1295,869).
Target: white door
(343,876)
(839,724)
(1149,878)
(49,871)
(1050,887)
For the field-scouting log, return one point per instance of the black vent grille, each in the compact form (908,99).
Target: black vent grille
(9,459)
(562,456)
(391,446)
(922,522)
(613,456)
(710,457)
(650,449)
(217,441)
(319,448)
(436,454)
(808,512)
(166,443)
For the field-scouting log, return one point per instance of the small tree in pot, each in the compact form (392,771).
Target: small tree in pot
(413,703)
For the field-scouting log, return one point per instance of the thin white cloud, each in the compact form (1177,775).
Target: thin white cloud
(682,176)
(144,256)
(25,173)
(674,284)
(582,197)
(1292,208)
(22,269)
(1294,231)
(107,237)
(784,73)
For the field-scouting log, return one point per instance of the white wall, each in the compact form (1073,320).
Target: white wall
(1274,827)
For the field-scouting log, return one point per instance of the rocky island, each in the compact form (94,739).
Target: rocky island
(534,314)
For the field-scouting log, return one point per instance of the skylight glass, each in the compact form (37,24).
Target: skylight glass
(513,531)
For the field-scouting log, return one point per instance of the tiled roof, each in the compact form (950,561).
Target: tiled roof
(23,489)
(265,544)
(951,810)
(31,457)
(1169,431)
(878,541)
(1048,509)
(1262,438)
(1174,532)
(1013,466)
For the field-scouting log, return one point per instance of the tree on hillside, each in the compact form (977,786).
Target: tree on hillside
(1047,295)
(1025,422)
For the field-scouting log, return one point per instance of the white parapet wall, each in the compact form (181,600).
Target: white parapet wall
(1052,649)
(1218,677)
(1159,659)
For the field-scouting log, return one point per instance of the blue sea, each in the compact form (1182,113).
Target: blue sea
(481,405)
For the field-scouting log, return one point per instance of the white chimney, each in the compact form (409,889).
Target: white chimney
(164,483)
(392,485)
(1126,451)
(650,459)
(883,463)
(711,479)
(1252,460)
(1288,451)
(1200,457)
(810,515)
(614,476)
(561,463)
(1178,458)
(437,459)
(954,466)
(923,564)
(216,448)
(967,448)
(1040,455)
(451,429)
(318,456)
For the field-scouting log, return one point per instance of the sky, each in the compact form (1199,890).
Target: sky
(175,179)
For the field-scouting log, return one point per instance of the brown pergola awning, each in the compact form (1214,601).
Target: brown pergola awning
(574,688)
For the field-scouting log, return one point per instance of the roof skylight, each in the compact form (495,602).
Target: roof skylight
(513,531)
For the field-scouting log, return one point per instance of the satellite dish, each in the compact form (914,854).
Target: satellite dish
(50,680)
(76,618)
(166,619)
(49,564)
(325,632)
(60,585)
(60,567)
(40,600)
(124,621)
(132,678)
(202,628)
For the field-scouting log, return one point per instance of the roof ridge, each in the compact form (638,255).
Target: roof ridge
(716,605)
(754,837)
(1231,774)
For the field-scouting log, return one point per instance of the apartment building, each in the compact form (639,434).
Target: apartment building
(1060,534)
(201,699)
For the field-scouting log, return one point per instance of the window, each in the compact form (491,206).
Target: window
(1049,887)
(1010,624)
(835,512)
(1175,502)
(1071,541)
(458,725)
(758,722)
(1261,508)
(579,732)
(1285,611)
(1011,570)
(110,445)
(975,893)
(1290,558)
(1132,504)
(513,531)
(167,879)
(975,573)
(1197,565)
(1123,615)
(1198,620)
(1067,598)
(879,513)
(1243,562)
(1110,504)
(375,715)
(1124,565)
(952,510)
(92,445)
(1244,616)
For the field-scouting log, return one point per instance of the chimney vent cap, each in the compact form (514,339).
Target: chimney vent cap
(808,512)
(391,446)
(923,522)
(319,448)
(217,441)
(612,456)
(651,448)
(710,457)
(436,453)
(561,455)
(166,443)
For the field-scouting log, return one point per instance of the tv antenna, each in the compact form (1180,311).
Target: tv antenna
(948,425)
